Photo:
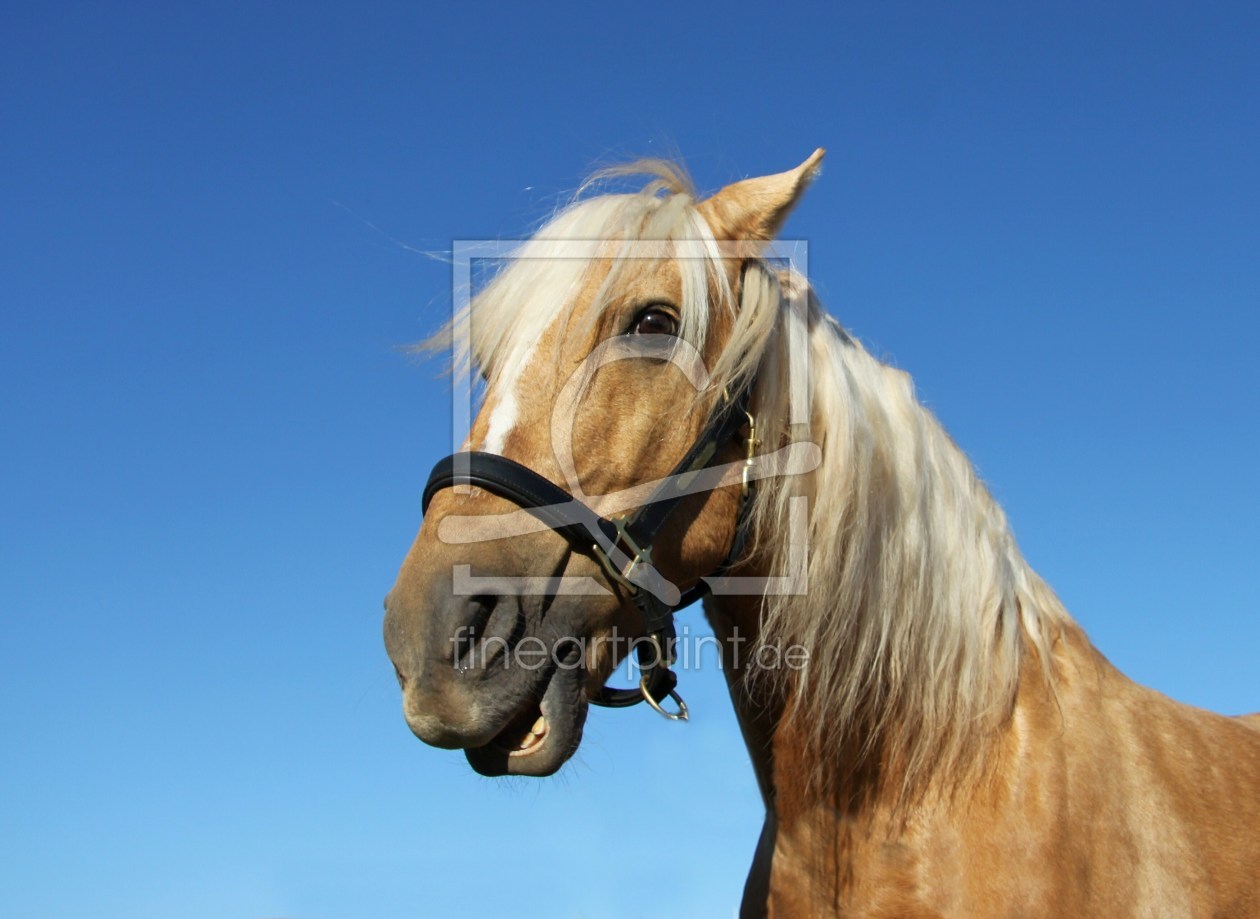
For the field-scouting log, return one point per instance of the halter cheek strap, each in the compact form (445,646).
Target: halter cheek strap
(622,544)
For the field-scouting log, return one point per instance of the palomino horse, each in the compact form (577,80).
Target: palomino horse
(664,405)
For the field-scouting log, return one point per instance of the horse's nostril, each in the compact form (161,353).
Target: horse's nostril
(473,617)
(568,652)
(481,606)
(483,628)
(398,675)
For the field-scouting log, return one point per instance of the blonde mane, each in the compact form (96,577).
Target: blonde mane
(920,609)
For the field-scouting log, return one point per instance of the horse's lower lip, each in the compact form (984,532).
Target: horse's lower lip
(555,723)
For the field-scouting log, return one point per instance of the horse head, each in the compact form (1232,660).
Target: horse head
(613,348)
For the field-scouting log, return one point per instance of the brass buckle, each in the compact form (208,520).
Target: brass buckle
(637,555)
(750,455)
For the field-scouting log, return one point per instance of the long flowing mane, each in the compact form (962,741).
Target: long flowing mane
(919,609)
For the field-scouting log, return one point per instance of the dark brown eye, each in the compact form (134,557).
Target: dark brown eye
(654,320)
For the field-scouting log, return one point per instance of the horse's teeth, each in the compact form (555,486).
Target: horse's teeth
(540,726)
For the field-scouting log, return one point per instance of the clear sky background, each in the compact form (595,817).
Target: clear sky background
(213,450)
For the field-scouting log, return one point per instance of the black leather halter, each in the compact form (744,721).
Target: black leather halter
(622,544)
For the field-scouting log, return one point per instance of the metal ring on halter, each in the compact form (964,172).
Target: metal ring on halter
(680,715)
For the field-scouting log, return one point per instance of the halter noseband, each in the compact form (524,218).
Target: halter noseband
(623,544)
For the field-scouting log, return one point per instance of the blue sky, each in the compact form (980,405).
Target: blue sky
(214,449)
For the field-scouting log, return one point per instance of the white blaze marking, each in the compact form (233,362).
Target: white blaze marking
(503,415)
(502,420)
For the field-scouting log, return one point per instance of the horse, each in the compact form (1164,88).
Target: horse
(668,411)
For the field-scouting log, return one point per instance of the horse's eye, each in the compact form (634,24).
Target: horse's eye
(654,320)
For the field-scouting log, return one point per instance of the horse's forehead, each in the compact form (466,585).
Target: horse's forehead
(538,365)
(640,275)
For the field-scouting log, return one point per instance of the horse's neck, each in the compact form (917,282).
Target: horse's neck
(1108,777)
(759,709)
(1115,773)
(776,743)
(918,598)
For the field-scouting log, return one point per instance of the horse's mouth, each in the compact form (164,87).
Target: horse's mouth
(543,733)
(522,737)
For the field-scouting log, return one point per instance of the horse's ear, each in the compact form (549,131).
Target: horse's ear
(756,208)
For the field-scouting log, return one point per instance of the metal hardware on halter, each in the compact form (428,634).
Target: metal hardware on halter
(629,535)
(680,715)
(637,555)
(661,659)
(750,455)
